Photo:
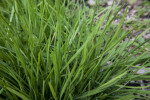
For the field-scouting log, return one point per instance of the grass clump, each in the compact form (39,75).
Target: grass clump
(54,50)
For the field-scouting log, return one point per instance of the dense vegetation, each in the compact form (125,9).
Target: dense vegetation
(56,50)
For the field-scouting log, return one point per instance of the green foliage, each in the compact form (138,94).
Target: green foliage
(54,50)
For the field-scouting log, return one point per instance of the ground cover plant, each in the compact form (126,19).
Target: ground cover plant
(55,50)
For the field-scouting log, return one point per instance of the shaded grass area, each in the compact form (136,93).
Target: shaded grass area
(54,50)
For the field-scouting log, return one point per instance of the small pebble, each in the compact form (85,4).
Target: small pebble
(142,71)
(110,2)
(91,2)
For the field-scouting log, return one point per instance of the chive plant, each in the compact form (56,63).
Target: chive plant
(54,50)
